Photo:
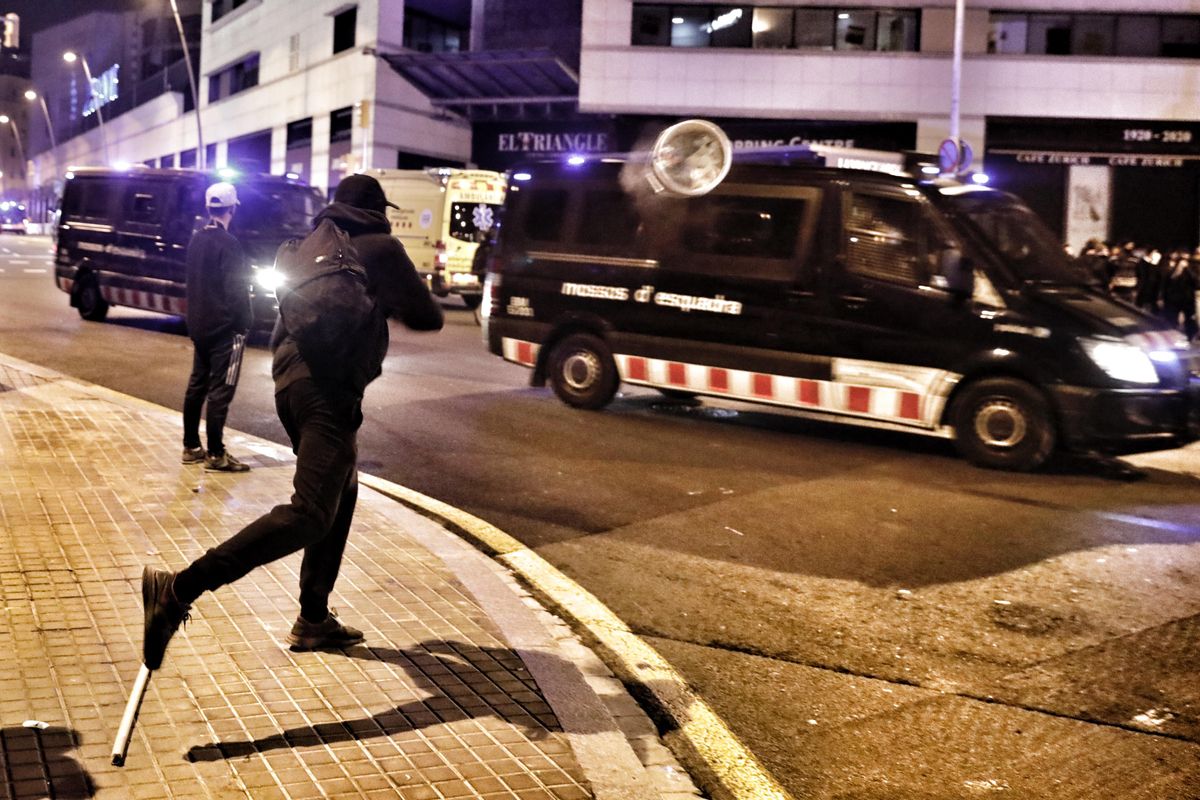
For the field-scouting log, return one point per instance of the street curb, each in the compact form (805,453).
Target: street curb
(707,748)
(715,758)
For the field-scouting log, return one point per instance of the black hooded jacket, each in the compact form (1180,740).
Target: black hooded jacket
(218,285)
(392,280)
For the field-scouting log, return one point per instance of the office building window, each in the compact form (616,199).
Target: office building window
(1130,35)
(772,27)
(775,27)
(341,124)
(343,29)
(233,79)
(222,7)
(428,34)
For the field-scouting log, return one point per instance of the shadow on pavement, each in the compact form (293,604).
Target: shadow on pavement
(34,764)
(463,681)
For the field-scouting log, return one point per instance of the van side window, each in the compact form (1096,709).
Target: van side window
(751,227)
(545,213)
(882,238)
(609,218)
(144,205)
(99,200)
(72,201)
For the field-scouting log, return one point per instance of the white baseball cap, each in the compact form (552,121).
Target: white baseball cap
(221,195)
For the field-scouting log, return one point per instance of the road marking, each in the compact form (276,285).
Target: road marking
(707,747)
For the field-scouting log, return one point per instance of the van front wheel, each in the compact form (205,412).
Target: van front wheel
(1003,423)
(582,371)
(92,305)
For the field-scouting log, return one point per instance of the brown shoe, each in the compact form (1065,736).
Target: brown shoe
(193,455)
(329,634)
(224,463)
(164,614)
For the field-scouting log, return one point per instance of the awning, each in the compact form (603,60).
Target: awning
(478,84)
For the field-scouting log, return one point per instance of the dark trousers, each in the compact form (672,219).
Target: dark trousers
(216,365)
(324,435)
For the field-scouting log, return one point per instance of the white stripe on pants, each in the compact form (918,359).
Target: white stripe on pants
(235,359)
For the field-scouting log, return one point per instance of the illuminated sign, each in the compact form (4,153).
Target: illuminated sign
(104,90)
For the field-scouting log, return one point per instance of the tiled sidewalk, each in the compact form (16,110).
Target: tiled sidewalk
(439,703)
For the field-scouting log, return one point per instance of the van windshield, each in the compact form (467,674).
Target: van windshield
(268,209)
(1030,251)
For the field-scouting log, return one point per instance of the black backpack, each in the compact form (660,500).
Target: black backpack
(324,305)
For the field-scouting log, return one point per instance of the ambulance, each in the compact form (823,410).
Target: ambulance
(874,294)
(443,215)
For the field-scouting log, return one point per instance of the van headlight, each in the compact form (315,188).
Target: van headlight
(268,278)
(1121,360)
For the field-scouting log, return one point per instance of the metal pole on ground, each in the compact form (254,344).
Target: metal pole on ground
(129,718)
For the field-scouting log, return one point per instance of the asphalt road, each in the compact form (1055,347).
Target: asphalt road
(872,616)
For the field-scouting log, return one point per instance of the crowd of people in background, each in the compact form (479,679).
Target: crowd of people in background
(1166,285)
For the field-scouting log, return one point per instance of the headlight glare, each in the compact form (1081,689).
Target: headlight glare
(1121,360)
(268,278)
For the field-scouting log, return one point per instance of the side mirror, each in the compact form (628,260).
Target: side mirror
(956,273)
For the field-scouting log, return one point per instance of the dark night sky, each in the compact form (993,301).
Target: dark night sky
(37,14)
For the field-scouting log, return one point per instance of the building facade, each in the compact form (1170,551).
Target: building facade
(14,135)
(284,88)
(1086,108)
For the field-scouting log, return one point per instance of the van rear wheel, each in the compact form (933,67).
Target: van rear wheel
(92,305)
(582,371)
(1003,423)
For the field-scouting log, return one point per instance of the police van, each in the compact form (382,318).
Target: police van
(878,296)
(443,214)
(122,235)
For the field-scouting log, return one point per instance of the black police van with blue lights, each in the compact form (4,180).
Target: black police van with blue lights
(122,235)
(883,297)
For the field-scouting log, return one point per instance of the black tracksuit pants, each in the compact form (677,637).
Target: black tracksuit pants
(324,432)
(216,366)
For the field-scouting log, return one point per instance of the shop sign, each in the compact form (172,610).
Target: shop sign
(1095,136)
(1093,159)
(552,142)
(500,145)
(104,90)
(753,134)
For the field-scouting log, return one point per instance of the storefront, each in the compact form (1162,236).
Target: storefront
(501,145)
(1114,180)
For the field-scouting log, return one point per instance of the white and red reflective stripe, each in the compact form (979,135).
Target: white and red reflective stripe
(920,405)
(138,298)
(896,393)
(1158,340)
(519,351)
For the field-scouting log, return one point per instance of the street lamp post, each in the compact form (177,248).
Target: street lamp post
(187,58)
(956,71)
(31,95)
(5,119)
(70,58)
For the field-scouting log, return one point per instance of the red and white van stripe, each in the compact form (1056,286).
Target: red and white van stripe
(137,298)
(920,405)
(519,351)
(1158,340)
(894,393)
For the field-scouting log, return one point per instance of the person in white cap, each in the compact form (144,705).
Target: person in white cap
(219,316)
